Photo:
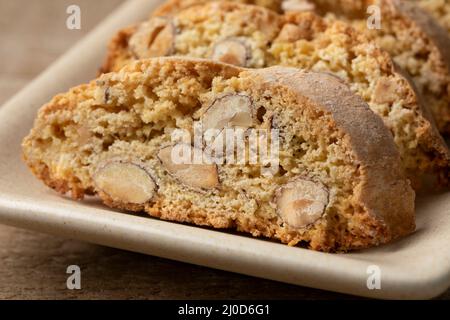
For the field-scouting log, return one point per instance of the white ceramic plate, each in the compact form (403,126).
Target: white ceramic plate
(415,267)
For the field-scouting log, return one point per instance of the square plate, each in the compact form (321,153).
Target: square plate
(415,267)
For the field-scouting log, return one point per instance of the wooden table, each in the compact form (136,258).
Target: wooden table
(33,265)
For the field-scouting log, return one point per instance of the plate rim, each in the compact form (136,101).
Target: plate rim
(15,211)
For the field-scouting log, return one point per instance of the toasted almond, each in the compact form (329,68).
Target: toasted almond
(291,33)
(154,38)
(385,91)
(125,182)
(233,51)
(230,110)
(198,176)
(301,202)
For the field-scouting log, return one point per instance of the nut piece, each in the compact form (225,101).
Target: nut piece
(233,51)
(297,6)
(301,202)
(292,33)
(125,182)
(154,38)
(231,110)
(199,176)
(385,91)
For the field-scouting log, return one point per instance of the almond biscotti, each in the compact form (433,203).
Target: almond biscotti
(417,43)
(337,185)
(255,37)
(439,9)
(420,47)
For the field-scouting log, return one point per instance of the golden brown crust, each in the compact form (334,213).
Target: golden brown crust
(431,42)
(428,132)
(438,42)
(360,125)
(437,35)
(382,203)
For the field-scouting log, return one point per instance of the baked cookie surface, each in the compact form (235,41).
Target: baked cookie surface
(420,47)
(339,185)
(439,9)
(255,37)
(172,7)
(417,42)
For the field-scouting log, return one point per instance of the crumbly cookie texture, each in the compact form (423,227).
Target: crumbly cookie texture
(255,37)
(340,184)
(421,47)
(415,40)
(439,9)
(172,7)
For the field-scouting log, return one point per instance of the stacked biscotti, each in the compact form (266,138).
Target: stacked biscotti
(302,40)
(417,42)
(345,116)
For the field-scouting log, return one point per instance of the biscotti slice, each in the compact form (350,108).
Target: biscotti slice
(417,43)
(439,9)
(255,37)
(333,181)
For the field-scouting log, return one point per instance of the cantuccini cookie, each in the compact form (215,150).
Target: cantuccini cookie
(338,184)
(417,44)
(256,37)
(407,30)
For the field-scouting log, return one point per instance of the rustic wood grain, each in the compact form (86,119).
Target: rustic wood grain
(33,265)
